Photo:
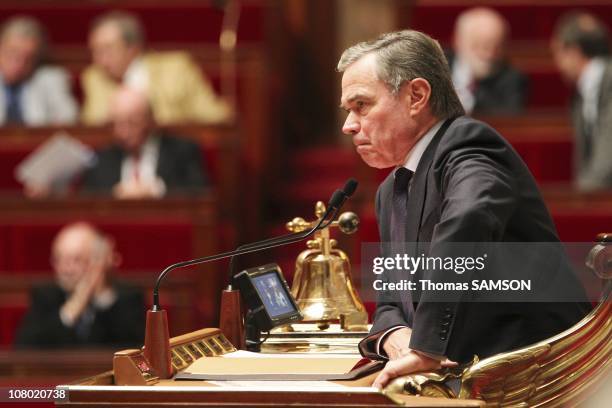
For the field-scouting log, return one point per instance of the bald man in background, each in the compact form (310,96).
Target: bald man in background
(144,161)
(83,307)
(485,82)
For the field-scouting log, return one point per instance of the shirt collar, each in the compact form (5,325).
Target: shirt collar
(591,77)
(415,154)
(150,145)
(135,75)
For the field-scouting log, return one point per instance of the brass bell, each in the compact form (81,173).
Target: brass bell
(322,284)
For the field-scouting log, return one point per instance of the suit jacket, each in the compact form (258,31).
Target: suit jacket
(471,186)
(503,92)
(177,90)
(179,165)
(121,325)
(594,171)
(45,99)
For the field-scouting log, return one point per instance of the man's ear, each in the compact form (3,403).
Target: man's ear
(420,92)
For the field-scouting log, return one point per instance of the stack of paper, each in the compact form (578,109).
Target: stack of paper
(55,163)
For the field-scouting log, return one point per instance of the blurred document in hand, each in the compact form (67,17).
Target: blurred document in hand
(55,162)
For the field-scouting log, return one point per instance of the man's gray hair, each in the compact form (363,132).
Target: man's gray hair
(405,55)
(25,26)
(130,26)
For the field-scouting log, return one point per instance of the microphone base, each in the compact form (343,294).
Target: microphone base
(253,334)
(230,318)
(157,343)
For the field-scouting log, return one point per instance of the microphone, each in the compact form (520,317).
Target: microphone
(347,191)
(349,187)
(157,348)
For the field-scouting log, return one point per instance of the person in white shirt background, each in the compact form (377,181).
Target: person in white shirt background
(581,47)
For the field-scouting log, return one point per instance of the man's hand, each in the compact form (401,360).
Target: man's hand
(410,363)
(396,343)
(36,191)
(134,190)
(93,281)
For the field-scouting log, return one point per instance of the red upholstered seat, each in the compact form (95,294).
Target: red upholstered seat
(183,21)
(4,248)
(144,244)
(11,317)
(528,21)
(9,159)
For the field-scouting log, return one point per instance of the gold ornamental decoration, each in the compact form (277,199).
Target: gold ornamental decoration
(322,284)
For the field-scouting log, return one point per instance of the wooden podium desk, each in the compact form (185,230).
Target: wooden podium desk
(101,391)
(191,350)
(169,393)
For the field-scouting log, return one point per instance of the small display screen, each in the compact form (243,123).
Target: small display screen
(273,294)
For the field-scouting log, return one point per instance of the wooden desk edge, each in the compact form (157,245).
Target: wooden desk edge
(169,392)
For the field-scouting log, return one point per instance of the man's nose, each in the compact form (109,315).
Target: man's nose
(351,126)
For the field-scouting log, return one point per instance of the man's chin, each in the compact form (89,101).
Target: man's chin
(375,162)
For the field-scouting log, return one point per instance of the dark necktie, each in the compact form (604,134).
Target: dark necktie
(399,216)
(400,201)
(14,115)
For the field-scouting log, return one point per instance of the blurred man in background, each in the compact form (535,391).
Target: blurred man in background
(484,80)
(581,48)
(171,80)
(30,93)
(83,307)
(144,162)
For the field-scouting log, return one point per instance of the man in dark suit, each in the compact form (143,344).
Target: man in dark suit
(83,307)
(581,47)
(455,180)
(484,80)
(145,162)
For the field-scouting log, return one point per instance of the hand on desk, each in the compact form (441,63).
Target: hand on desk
(36,191)
(410,362)
(133,189)
(396,343)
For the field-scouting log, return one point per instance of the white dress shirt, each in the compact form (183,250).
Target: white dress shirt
(415,154)
(463,80)
(137,76)
(143,169)
(589,84)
